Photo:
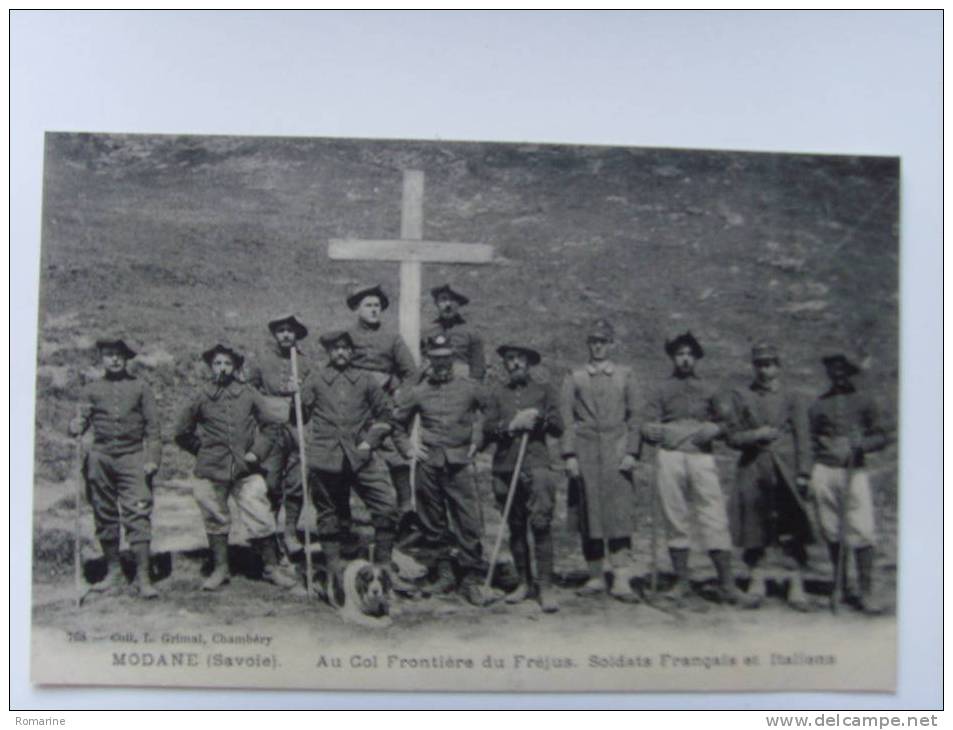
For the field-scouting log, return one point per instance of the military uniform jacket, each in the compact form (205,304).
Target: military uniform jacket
(683,400)
(219,427)
(450,418)
(502,404)
(270,374)
(343,408)
(383,353)
(466,343)
(122,413)
(845,414)
(598,404)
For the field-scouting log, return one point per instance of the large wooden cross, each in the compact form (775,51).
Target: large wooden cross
(411,251)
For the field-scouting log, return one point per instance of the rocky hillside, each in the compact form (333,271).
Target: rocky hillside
(183,241)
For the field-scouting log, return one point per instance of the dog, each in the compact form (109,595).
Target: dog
(361,593)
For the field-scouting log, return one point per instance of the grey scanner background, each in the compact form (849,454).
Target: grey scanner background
(807,81)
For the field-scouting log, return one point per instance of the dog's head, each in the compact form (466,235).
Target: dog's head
(372,588)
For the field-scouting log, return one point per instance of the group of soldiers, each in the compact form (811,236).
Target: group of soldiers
(404,439)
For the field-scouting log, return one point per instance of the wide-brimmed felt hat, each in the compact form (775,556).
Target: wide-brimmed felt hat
(116,341)
(764,352)
(685,339)
(447,289)
(365,290)
(330,339)
(532,357)
(210,354)
(438,345)
(290,318)
(839,358)
(602,329)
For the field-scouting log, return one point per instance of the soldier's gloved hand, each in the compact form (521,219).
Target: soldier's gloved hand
(572,467)
(76,426)
(767,434)
(250,457)
(524,420)
(418,452)
(654,433)
(627,465)
(706,434)
(803,484)
(150,468)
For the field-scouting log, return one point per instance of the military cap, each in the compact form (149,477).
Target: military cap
(532,357)
(330,339)
(602,330)
(116,341)
(438,345)
(764,351)
(299,329)
(447,289)
(685,339)
(210,354)
(360,291)
(839,358)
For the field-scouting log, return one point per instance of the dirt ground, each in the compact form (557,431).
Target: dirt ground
(248,602)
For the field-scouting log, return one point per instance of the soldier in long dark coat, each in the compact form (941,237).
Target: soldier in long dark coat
(600,446)
(768,424)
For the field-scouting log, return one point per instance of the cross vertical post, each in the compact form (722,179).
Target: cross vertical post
(411,229)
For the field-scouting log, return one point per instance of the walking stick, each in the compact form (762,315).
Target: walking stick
(524,439)
(302,457)
(653,516)
(840,567)
(77,558)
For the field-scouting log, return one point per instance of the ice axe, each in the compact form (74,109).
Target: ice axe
(840,567)
(524,439)
(302,457)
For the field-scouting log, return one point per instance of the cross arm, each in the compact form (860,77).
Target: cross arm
(407,250)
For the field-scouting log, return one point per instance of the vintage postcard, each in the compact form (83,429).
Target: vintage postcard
(402,415)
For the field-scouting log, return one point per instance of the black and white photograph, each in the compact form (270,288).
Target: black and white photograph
(336,413)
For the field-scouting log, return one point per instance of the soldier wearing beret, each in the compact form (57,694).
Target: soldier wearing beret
(349,415)
(846,425)
(767,423)
(271,375)
(682,420)
(121,462)
(219,427)
(467,345)
(523,406)
(600,445)
(451,431)
(386,357)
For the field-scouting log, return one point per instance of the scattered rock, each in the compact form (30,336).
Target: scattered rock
(666,171)
(706,292)
(156,359)
(815,305)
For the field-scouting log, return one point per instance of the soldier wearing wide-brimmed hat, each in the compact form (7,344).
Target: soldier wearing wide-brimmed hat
(682,420)
(767,422)
(385,356)
(271,374)
(846,425)
(219,426)
(600,445)
(450,434)
(120,464)
(466,343)
(347,416)
(523,406)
